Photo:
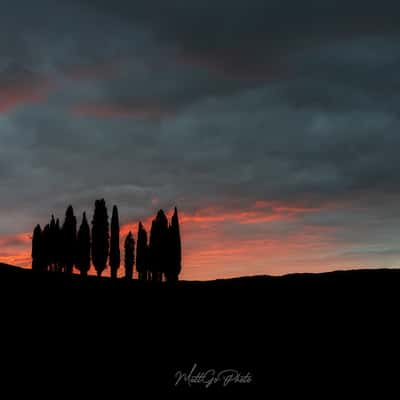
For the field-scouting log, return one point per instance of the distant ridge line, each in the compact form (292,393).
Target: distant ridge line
(362,270)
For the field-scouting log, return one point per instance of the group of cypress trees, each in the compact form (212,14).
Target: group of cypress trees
(61,248)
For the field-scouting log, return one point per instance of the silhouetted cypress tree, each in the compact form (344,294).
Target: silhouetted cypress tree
(152,253)
(62,249)
(174,264)
(142,253)
(58,246)
(115,256)
(69,240)
(129,255)
(37,249)
(52,244)
(46,244)
(147,272)
(100,237)
(159,245)
(83,247)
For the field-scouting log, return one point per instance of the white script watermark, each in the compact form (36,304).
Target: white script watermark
(210,377)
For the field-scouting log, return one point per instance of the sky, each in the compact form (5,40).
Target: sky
(272,126)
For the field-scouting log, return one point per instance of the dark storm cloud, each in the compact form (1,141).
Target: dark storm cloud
(119,67)
(242,148)
(247,36)
(161,93)
(327,55)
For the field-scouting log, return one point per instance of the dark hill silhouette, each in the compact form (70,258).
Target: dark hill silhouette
(294,333)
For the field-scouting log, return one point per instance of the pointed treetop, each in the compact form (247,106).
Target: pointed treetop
(84,220)
(175,218)
(101,201)
(115,217)
(161,218)
(37,231)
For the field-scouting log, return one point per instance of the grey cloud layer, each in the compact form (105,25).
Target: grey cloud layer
(255,31)
(310,112)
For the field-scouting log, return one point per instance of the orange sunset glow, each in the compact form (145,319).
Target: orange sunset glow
(212,250)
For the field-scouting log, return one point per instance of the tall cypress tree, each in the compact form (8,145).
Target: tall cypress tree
(58,246)
(46,245)
(100,236)
(129,255)
(37,249)
(52,242)
(159,245)
(153,260)
(83,247)
(69,240)
(162,222)
(115,255)
(174,264)
(142,253)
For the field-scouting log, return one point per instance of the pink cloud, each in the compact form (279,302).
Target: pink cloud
(16,249)
(19,86)
(15,241)
(12,97)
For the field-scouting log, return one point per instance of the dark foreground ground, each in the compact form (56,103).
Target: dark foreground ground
(325,334)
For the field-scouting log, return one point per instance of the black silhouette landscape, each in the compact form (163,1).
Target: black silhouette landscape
(296,327)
